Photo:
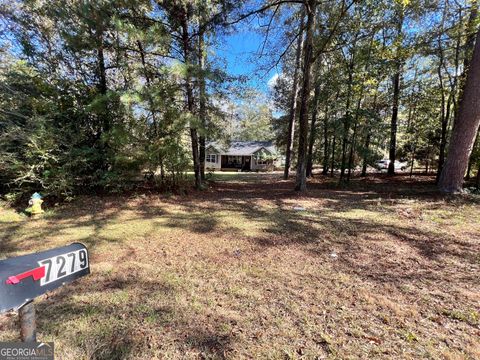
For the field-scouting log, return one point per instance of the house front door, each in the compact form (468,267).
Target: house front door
(246,163)
(224,161)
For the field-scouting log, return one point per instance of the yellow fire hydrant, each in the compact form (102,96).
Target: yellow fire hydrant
(35,203)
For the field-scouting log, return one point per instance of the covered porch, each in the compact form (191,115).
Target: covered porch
(236,162)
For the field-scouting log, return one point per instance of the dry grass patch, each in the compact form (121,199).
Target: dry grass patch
(383,268)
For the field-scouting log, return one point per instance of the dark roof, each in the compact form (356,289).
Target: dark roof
(243,148)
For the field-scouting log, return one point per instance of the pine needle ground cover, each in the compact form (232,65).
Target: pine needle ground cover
(384,268)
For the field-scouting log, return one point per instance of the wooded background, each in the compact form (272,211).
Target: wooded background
(94,94)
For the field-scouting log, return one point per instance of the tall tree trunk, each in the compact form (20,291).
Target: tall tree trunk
(202,103)
(394,123)
(467,55)
(415,141)
(464,130)
(443,138)
(365,156)
(333,154)
(102,84)
(470,161)
(346,120)
(445,113)
(396,97)
(293,102)
(469,43)
(443,121)
(313,125)
(190,101)
(352,145)
(368,137)
(301,177)
(325,142)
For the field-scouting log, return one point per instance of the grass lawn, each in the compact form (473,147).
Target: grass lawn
(235,176)
(384,268)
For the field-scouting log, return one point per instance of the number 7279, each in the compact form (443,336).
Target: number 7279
(63,265)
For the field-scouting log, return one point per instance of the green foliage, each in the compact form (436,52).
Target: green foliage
(93,94)
(86,109)
(371,43)
(251,118)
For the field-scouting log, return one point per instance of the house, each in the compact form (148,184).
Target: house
(242,156)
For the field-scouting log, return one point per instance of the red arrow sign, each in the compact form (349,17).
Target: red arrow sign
(36,273)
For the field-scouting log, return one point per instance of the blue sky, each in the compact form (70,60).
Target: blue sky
(240,50)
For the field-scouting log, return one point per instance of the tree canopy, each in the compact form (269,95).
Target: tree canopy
(97,95)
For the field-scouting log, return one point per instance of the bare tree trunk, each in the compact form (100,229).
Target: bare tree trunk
(333,155)
(301,177)
(102,83)
(443,139)
(325,142)
(469,43)
(293,104)
(468,48)
(368,137)
(443,121)
(396,97)
(445,115)
(352,145)
(311,143)
(467,55)
(346,120)
(394,123)
(202,103)
(470,162)
(313,130)
(365,161)
(464,130)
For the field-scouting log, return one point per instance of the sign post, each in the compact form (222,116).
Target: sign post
(23,278)
(28,328)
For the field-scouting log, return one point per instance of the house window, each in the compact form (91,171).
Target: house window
(261,162)
(211,158)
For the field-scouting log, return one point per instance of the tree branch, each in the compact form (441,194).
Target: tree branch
(332,32)
(268,30)
(262,9)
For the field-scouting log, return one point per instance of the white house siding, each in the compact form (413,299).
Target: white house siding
(243,149)
(270,166)
(261,160)
(213,165)
(264,167)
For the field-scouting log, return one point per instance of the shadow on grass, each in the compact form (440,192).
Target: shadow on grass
(123,316)
(195,222)
(366,246)
(318,230)
(210,345)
